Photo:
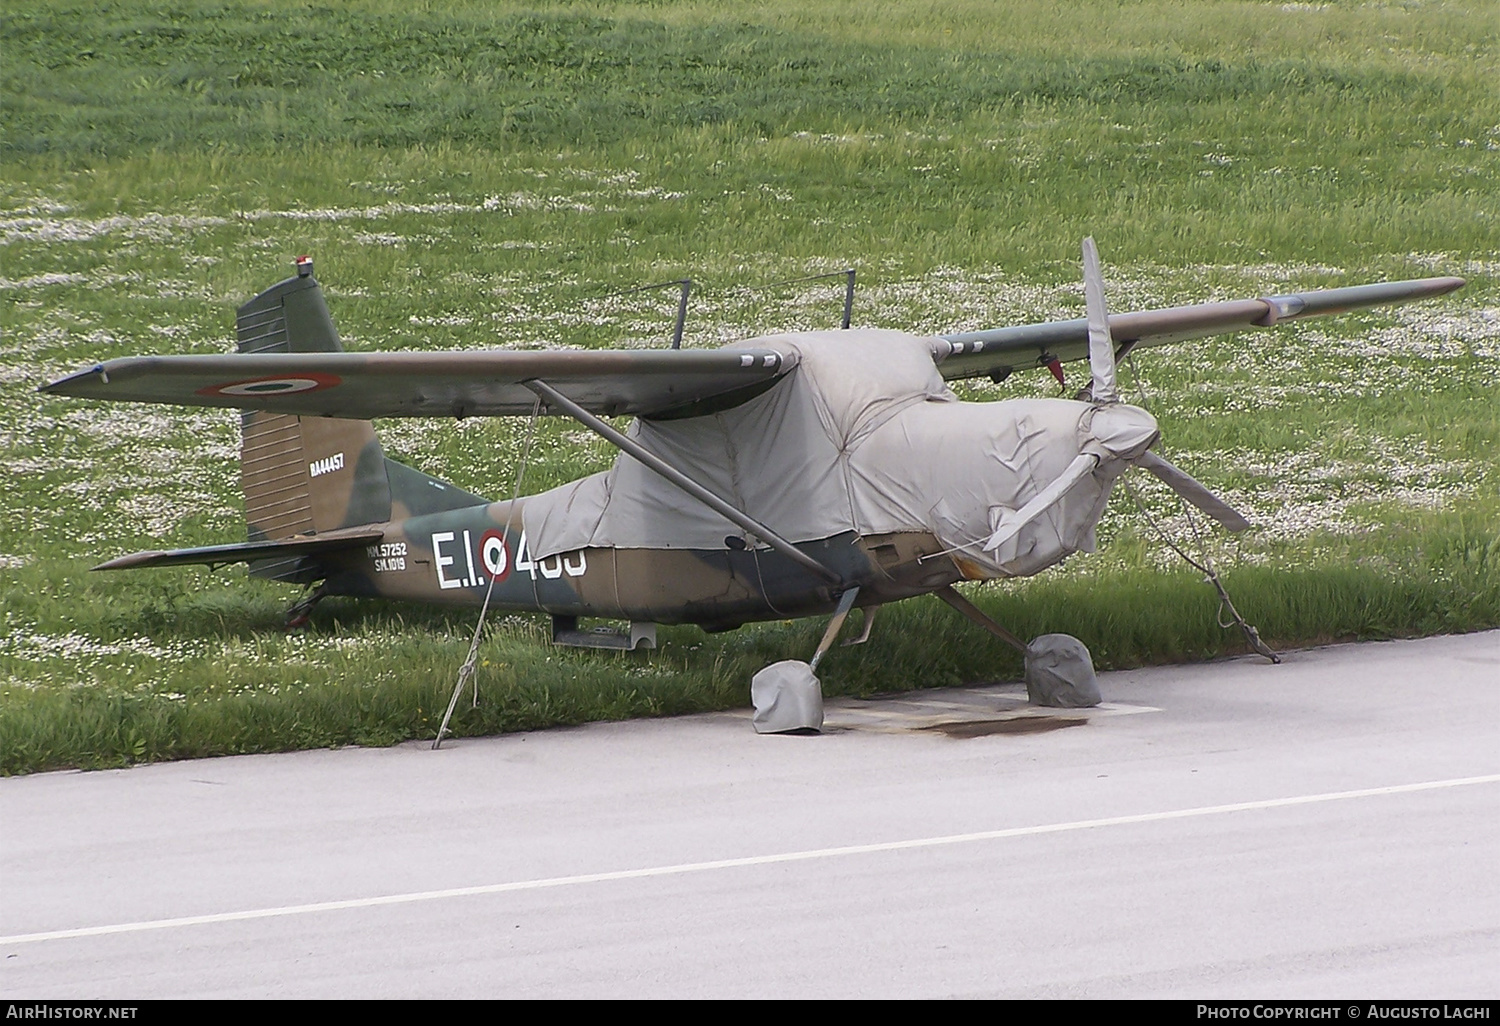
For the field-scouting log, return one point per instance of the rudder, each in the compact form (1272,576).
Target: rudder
(303,475)
(306,475)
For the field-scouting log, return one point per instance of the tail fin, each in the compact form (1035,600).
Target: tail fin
(307,475)
(302,475)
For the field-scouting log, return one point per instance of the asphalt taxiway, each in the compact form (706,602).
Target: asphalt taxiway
(1329,827)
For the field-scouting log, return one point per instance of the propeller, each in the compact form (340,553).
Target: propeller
(1011,521)
(1187,487)
(1117,431)
(1101,342)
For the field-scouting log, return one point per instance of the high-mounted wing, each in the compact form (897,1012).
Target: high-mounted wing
(362,386)
(997,352)
(291,361)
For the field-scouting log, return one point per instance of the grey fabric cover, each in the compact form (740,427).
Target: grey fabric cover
(1060,673)
(787,696)
(864,435)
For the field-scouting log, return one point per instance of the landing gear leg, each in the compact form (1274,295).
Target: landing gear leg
(974,613)
(846,603)
(301,612)
(864,634)
(1059,670)
(787,696)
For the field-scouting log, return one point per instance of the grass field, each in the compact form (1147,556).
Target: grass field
(475,174)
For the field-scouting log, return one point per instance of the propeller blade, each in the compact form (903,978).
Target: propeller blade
(1011,521)
(1187,487)
(1101,342)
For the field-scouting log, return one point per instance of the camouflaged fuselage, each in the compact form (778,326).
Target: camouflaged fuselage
(452,557)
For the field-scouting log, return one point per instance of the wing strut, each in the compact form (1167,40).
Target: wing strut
(552,397)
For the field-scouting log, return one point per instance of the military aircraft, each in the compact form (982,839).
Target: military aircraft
(785,476)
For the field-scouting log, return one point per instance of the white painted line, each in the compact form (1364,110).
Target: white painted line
(1120,709)
(751,860)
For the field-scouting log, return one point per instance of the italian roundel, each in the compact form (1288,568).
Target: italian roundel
(494,553)
(262,387)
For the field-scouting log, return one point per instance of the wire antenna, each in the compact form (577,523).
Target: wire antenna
(847,274)
(686,284)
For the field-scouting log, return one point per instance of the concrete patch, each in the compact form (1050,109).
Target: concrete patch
(979,711)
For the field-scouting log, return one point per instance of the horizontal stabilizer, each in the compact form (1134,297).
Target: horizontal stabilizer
(245,552)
